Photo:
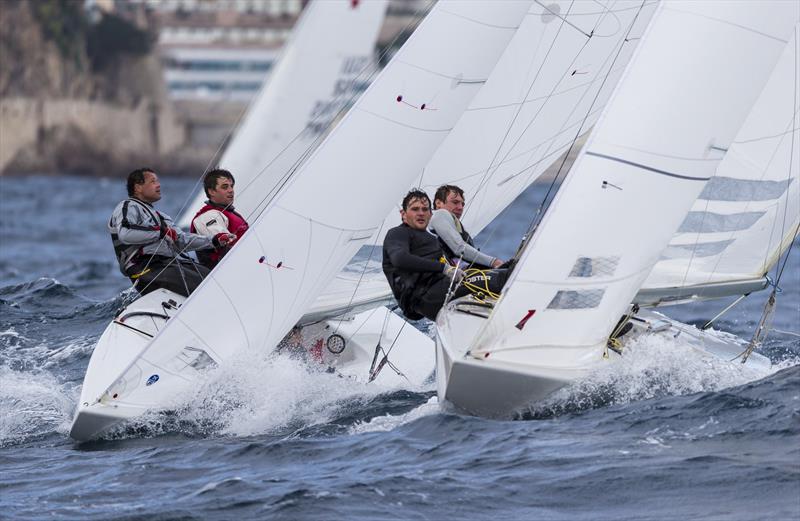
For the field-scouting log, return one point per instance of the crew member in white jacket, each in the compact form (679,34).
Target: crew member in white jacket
(455,240)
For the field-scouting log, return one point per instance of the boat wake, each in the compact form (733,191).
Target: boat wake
(277,396)
(655,366)
(270,395)
(33,406)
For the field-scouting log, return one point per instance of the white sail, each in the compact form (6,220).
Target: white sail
(749,212)
(549,87)
(316,76)
(688,89)
(337,199)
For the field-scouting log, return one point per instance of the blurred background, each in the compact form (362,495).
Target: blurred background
(98,87)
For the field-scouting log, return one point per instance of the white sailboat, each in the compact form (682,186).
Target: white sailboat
(318,74)
(548,87)
(321,71)
(310,227)
(697,71)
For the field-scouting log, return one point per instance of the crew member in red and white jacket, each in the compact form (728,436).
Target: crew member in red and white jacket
(218,215)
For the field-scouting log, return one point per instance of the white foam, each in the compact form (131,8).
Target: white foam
(388,422)
(254,395)
(654,366)
(33,404)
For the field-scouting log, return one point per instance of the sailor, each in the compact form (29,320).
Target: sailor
(454,239)
(413,261)
(218,215)
(149,247)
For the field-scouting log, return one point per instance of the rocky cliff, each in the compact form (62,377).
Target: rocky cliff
(80,95)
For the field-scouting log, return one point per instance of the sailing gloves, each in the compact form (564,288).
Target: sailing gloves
(453,272)
(222,240)
(172,234)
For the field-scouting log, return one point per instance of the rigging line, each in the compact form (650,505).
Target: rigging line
(581,124)
(544,206)
(360,278)
(233,128)
(564,18)
(532,100)
(282,182)
(345,99)
(786,332)
(791,164)
(765,138)
(547,98)
(272,192)
(485,175)
(786,256)
(175,258)
(385,358)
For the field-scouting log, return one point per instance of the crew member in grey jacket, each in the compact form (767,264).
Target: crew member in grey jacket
(149,247)
(454,239)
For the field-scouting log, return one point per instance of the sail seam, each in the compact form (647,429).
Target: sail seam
(648,168)
(726,22)
(337,228)
(479,22)
(459,78)
(381,116)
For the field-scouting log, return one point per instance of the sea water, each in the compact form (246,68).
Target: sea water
(662,436)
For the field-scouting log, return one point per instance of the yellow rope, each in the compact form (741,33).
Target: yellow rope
(479,291)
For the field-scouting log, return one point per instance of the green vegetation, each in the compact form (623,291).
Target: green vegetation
(113,36)
(65,23)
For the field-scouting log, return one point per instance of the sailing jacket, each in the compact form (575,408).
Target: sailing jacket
(213,219)
(412,262)
(139,231)
(455,240)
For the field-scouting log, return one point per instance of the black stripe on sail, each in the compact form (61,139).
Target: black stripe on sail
(648,168)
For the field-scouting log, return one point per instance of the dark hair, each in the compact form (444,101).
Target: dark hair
(210,179)
(415,193)
(443,191)
(137,178)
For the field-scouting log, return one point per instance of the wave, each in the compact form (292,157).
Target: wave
(652,367)
(33,405)
(271,395)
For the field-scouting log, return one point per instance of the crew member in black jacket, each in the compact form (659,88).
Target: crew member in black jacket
(413,261)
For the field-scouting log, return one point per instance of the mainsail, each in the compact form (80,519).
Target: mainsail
(336,200)
(317,75)
(549,86)
(699,68)
(749,212)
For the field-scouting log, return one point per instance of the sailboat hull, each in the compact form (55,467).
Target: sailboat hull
(122,384)
(493,390)
(481,384)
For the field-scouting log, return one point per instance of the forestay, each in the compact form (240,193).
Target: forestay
(698,69)
(321,68)
(748,213)
(337,199)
